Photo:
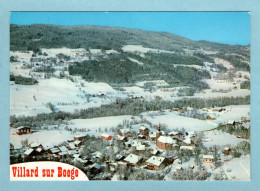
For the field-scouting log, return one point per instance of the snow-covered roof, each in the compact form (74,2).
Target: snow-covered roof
(80,135)
(120,138)
(143,128)
(22,127)
(152,134)
(55,150)
(140,147)
(72,146)
(77,142)
(28,151)
(118,156)
(34,144)
(95,165)
(47,146)
(124,131)
(105,135)
(231,121)
(132,158)
(155,160)
(97,154)
(165,139)
(136,143)
(154,151)
(178,167)
(63,153)
(187,147)
(39,150)
(187,140)
(226,148)
(63,149)
(208,157)
(173,133)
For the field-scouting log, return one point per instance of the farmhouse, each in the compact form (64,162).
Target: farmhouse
(144,131)
(152,136)
(79,137)
(210,117)
(188,141)
(124,132)
(29,152)
(164,142)
(208,158)
(23,130)
(133,159)
(106,137)
(227,151)
(155,163)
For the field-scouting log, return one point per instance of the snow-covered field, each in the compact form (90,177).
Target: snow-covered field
(219,138)
(238,168)
(53,137)
(174,121)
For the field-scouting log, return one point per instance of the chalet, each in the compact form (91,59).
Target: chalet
(140,148)
(71,146)
(124,132)
(210,117)
(155,152)
(144,131)
(106,137)
(169,160)
(79,137)
(119,157)
(208,158)
(173,133)
(35,145)
(247,121)
(164,142)
(141,136)
(152,136)
(54,151)
(133,160)
(121,138)
(227,151)
(77,143)
(23,130)
(29,153)
(155,163)
(188,141)
(231,123)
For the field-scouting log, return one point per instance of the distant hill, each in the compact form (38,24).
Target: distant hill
(172,66)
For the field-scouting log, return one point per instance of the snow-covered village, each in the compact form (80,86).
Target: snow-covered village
(128,107)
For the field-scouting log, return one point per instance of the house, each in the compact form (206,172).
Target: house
(23,130)
(155,163)
(231,123)
(71,146)
(151,136)
(188,141)
(141,136)
(79,137)
(106,137)
(140,148)
(210,117)
(133,160)
(29,153)
(121,138)
(155,151)
(77,143)
(119,157)
(164,142)
(144,131)
(124,132)
(173,133)
(35,145)
(208,158)
(95,168)
(181,110)
(227,151)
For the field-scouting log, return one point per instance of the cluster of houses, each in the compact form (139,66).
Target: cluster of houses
(155,143)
